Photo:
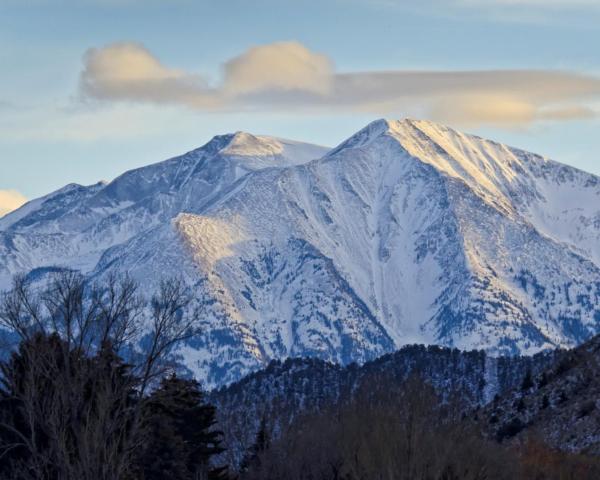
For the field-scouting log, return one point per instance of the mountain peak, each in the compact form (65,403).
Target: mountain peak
(489,168)
(260,151)
(415,233)
(245,144)
(403,128)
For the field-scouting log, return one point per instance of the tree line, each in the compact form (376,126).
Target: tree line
(71,407)
(89,393)
(405,432)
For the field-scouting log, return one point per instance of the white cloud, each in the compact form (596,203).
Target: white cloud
(286,75)
(128,71)
(92,123)
(509,97)
(279,66)
(10,200)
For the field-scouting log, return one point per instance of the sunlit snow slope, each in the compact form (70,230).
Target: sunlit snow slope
(407,232)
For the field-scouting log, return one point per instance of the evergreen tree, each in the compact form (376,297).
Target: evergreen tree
(261,444)
(72,409)
(527,381)
(181,436)
(545,402)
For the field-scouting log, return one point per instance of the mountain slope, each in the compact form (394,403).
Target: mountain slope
(286,391)
(408,232)
(559,404)
(76,225)
(551,396)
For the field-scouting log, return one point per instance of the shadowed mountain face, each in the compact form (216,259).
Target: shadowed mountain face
(408,232)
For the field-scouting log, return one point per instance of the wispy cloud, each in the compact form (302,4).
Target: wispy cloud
(538,5)
(128,71)
(529,12)
(10,200)
(6,105)
(532,3)
(284,75)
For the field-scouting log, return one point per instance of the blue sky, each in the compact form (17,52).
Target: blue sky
(161,77)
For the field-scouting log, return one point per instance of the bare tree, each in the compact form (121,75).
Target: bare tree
(383,433)
(79,408)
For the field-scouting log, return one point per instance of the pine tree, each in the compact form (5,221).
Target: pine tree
(261,444)
(71,408)
(543,380)
(545,402)
(527,381)
(181,433)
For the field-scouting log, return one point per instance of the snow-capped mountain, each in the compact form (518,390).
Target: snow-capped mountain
(408,232)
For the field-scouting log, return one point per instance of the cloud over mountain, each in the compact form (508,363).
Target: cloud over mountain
(283,66)
(10,200)
(280,75)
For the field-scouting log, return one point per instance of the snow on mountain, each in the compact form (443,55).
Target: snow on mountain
(408,232)
(76,225)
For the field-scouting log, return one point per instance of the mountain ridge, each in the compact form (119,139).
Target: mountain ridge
(407,232)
